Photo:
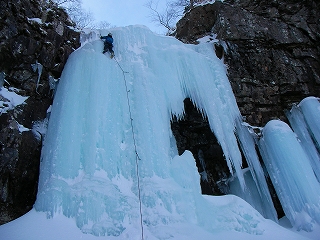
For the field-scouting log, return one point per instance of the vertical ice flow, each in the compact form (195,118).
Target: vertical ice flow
(292,175)
(88,159)
(259,184)
(310,108)
(303,129)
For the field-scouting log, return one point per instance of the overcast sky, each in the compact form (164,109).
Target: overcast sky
(123,12)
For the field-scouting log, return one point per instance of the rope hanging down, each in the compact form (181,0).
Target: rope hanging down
(135,145)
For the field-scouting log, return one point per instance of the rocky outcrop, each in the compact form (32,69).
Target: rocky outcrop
(272,53)
(271,49)
(36,39)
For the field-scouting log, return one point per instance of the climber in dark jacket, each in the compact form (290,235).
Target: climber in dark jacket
(108,44)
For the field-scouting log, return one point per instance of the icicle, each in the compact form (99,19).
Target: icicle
(52,82)
(310,108)
(300,127)
(248,147)
(37,67)
(291,174)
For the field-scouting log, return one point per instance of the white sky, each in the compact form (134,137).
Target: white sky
(123,12)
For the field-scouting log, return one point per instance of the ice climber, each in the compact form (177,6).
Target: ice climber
(108,44)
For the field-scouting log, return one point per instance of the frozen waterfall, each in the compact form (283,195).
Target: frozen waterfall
(89,152)
(110,165)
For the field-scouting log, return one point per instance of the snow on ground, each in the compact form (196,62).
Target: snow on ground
(35,226)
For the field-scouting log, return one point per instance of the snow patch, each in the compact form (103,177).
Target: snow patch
(37,20)
(9,99)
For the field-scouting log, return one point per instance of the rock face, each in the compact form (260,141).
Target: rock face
(193,133)
(36,39)
(272,51)
(271,48)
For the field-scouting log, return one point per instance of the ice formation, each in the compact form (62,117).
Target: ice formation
(89,149)
(82,179)
(292,174)
(110,163)
(256,191)
(306,125)
(310,108)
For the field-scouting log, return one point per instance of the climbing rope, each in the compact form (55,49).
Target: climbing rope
(135,145)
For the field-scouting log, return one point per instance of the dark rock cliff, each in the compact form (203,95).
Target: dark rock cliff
(272,51)
(271,48)
(36,39)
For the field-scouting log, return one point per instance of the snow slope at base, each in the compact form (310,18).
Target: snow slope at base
(315,234)
(35,226)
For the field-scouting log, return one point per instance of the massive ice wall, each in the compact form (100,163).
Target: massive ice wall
(109,159)
(110,162)
(110,128)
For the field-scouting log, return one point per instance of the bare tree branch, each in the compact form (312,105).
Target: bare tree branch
(174,10)
(103,25)
(166,18)
(77,14)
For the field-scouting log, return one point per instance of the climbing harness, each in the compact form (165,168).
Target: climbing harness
(135,146)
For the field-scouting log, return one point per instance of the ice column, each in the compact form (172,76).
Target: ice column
(291,173)
(300,127)
(248,147)
(310,108)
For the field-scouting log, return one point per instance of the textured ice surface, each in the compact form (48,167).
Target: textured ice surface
(88,166)
(307,130)
(256,191)
(292,175)
(310,108)
(91,163)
